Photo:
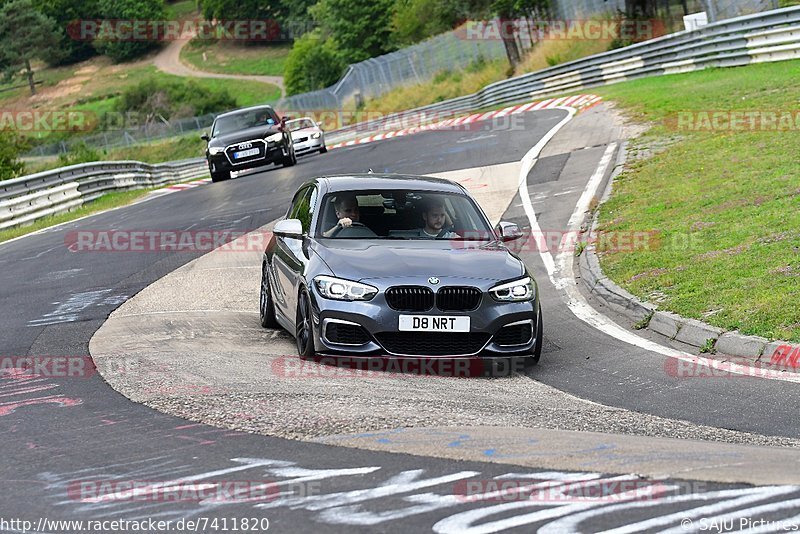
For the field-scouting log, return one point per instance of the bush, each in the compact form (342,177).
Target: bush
(172,99)
(11,146)
(313,63)
(119,50)
(80,153)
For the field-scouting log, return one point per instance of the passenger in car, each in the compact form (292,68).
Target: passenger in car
(435,216)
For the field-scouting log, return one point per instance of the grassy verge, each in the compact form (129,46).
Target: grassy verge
(232,58)
(171,149)
(724,206)
(107,201)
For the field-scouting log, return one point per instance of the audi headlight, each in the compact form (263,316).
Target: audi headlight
(274,138)
(214,150)
(338,289)
(315,135)
(516,291)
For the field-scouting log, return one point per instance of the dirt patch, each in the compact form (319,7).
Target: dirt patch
(717,253)
(647,274)
(701,225)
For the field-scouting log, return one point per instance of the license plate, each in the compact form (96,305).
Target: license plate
(245,153)
(433,323)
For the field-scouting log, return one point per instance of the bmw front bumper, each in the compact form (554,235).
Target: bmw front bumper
(490,324)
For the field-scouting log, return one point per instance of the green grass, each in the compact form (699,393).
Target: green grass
(181,9)
(231,58)
(189,146)
(247,93)
(107,201)
(171,149)
(724,206)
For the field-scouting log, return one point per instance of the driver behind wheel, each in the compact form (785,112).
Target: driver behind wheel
(346,207)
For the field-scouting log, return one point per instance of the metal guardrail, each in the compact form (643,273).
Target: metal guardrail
(764,37)
(29,198)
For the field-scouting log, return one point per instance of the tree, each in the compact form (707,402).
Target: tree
(25,35)
(290,16)
(122,49)
(361,28)
(416,20)
(507,11)
(240,9)
(312,64)
(68,13)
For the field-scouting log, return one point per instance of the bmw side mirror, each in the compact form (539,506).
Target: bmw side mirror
(205,137)
(289,228)
(508,231)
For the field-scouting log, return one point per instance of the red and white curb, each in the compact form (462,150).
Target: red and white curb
(578,102)
(188,185)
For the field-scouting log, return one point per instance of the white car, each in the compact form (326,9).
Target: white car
(307,136)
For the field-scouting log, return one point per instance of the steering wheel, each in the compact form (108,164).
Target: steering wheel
(340,228)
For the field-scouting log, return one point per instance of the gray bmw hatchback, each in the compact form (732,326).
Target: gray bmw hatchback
(400,266)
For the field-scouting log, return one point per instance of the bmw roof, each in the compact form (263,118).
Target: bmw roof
(365,182)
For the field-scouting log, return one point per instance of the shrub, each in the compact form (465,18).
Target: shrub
(170,99)
(313,63)
(11,146)
(80,153)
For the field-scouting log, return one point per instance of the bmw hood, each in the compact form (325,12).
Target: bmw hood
(359,259)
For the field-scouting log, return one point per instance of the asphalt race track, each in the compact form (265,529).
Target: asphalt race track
(60,433)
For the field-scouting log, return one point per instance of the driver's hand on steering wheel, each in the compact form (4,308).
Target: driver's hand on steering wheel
(345,222)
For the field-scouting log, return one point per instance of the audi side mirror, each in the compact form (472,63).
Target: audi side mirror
(205,137)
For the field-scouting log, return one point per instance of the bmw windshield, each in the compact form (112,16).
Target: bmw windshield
(401,214)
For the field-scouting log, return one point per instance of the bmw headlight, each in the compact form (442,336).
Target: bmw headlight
(338,289)
(214,150)
(274,138)
(516,291)
(315,135)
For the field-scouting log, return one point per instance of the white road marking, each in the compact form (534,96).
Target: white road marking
(563,277)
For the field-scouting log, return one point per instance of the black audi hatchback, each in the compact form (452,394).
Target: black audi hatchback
(245,139)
